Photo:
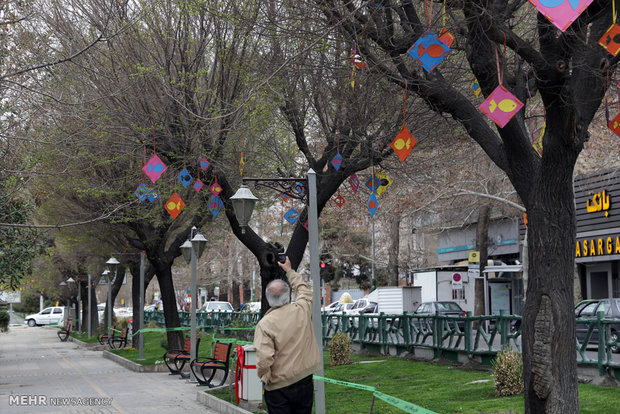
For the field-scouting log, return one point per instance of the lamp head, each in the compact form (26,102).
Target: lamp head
(243,203)
(199,242)
(186,249)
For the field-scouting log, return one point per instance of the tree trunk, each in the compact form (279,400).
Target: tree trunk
(482,235)
(171,314)
(392,267)
(149,272)
(550,367)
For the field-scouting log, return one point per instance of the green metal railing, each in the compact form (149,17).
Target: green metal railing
(473,336)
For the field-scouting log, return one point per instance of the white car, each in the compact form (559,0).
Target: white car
(48,316)
(216,306)
(251,307)
(330,308)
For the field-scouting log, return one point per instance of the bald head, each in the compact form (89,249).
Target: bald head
(278,293)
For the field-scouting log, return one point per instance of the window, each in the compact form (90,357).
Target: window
(46,311)
(458,294)
(57,310)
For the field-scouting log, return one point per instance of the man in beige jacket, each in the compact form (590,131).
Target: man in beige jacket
(287,353)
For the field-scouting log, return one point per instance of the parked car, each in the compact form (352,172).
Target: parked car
(251,307)
(589,310)
(444,308)
(47,316)
(364,306)
(216,306)
(330,308)
(343,309)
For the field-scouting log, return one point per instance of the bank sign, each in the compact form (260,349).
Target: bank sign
(598,215)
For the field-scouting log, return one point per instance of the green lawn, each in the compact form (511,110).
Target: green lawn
(441,388)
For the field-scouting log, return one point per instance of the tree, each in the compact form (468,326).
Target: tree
(570,72)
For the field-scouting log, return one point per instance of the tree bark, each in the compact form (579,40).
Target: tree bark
(549,363)
(392,267)
(482,235)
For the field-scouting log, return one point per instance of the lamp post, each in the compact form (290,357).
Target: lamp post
(192,250)
(90,306)
(70,282)
(243,203)
(113,265)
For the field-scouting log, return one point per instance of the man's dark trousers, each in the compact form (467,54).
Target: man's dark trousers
(297,398)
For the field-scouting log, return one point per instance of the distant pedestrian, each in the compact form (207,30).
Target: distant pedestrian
(287,353)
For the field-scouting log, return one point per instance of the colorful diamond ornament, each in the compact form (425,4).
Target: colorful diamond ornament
(403,143)
(614,124)
(185,178)
(174,205)
(372,204)
(429,51)
(339,200)
(611,39)
(154,168)
(143,193)
(198,184)
(291,216)
(204,164)
(501,106)
(215,188)
(215,205)
(337,161)
(562,13)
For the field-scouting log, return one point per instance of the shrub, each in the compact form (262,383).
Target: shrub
(508,373)
(152,325)
(340,350)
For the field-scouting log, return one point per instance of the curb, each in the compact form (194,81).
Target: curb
(218,405)
(132,366)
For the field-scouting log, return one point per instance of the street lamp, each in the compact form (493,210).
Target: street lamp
(243,203)
(78,321)
(113,267)
(192,250)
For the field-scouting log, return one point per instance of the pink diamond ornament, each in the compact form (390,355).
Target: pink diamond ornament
(561,13)
(154,168)
(198,185)
(501,106)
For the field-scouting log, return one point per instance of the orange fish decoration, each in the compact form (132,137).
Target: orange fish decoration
(403,143)
(614,124)
(174,205)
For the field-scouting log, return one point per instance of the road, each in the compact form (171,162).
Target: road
(38,373)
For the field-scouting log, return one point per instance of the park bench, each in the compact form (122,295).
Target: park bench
(104,338)
(175,359)
(208,366)
(116,342)
(63,334)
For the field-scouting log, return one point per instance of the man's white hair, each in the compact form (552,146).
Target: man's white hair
(278,293)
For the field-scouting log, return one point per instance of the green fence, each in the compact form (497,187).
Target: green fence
(472,336)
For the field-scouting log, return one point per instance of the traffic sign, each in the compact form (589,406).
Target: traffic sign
(474,257)
(457,281)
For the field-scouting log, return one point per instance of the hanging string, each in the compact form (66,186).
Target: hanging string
(429,12)
(241,161)
(405,103)
(499,72)
(613,10)
(153,141)
(444,14)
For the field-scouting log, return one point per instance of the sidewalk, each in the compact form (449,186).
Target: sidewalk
(37,371)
